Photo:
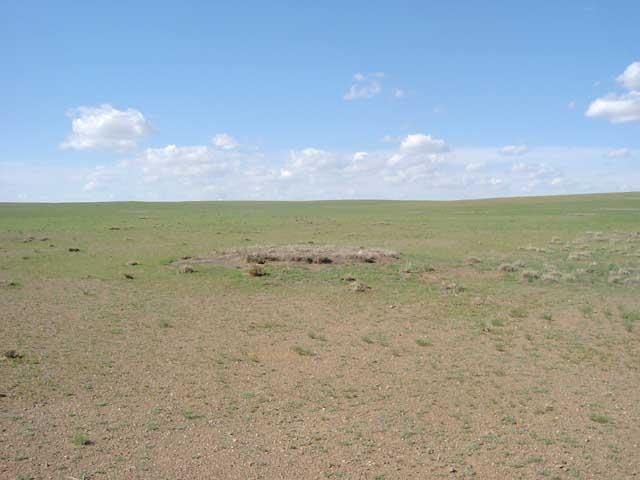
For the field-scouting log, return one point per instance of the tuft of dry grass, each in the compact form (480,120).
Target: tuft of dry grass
(256,270)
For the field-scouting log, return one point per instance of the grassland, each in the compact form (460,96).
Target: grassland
(503,343)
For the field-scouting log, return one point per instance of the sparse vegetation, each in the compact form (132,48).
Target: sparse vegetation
(81,440)
(455,364)
(303,352)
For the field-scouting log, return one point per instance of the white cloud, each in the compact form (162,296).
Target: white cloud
(556,181)
(359,156)
(418,155)
(474,166)
(399,93)
(365,86)
(617,108)
(514,150)
(630,78)
(423,143)
(571,105)
(105,128)
(619,153)
(312,160)
(225,141)
(620,108)
(533,170)
(186,161)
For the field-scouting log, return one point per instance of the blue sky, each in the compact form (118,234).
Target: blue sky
(311,100)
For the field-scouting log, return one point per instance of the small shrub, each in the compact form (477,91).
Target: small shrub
(508,420)
(424,342)
(629,318)
(303,352)
(81,440)
(599,418)
(317,336)
(256,271)
(497,322)
(191,415)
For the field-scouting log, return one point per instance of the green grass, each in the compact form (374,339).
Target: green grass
(81,440)
(298,348)
(629,319)
(599,418)
(303,352)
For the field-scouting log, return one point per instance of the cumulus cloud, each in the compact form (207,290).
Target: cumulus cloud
(619,153)
(419,142)
(105,128)
(415,166)
(418,157)
(399,93)
(630,78)
(225,141)
(364,86)
(514,150)
(620,108)
(185,161)
(312,160)
(617,108)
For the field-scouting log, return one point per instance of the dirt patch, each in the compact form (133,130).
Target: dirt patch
(303,254)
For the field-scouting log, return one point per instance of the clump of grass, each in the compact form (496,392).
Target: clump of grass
(303,352)
(629,318)
(547,316)
(424,342)
(599,418)
(518,312)
(472,260)
(317,336)
(359,286)
(256,271)
(498,322)
(81,440)
(12,355)
(508,420)
(191,415)
(186,269)
(451,288)
(530,275)
(586,310)
(379,338)
(164,323)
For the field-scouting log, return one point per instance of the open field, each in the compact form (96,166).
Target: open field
(502,341)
